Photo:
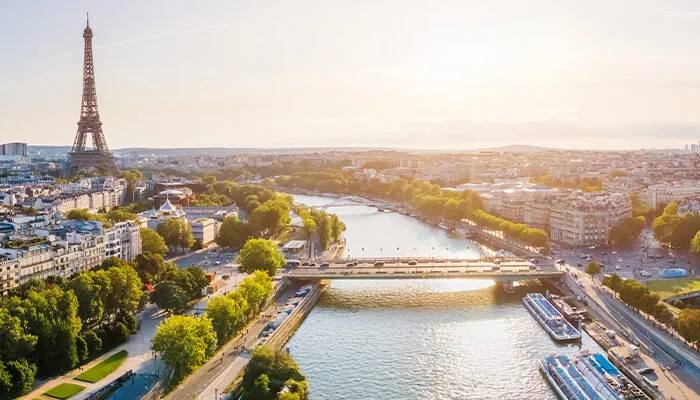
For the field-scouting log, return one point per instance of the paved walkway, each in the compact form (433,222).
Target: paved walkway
(215,376)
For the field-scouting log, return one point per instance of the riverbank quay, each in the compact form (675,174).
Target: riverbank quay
(478,234)
(668,381)
(284,332)
(215,375)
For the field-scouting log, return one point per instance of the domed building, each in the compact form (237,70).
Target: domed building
(151,219)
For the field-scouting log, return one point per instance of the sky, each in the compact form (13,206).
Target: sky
(424,74)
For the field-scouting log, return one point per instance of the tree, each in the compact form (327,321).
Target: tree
(233,233)
(688,325)
(337,227)
(126,290)
(176,233)
(152,268)
(169,296)
(695,244)
(270,217)
(269,371)
(227,314)
(192,280)
(185,342)
(593,268)
(255,289)
(16,378)
(15,343)
(94,343)
(52,316)
(152,242)
(81,349)
(259,254)
(627,231)
(90,304)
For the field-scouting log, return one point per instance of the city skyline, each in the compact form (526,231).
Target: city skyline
(372,74)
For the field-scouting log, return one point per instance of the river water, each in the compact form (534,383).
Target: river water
(419,339)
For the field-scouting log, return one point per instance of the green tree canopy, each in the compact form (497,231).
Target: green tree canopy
(176,233)
(260,254)
(185,342)
(152,242)
(152,268)
(15,343)
(267,373)
(169,296)
(688,325)
(695,244)
(227,314)
(627,231)
(233,233)
(270,217)
(593,268)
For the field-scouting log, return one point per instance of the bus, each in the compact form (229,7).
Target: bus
(293,263)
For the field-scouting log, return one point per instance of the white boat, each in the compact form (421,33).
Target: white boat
(550,318)
(588,376)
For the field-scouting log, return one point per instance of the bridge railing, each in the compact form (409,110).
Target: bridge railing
(420,260)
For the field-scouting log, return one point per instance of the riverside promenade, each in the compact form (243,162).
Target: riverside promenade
(212,378)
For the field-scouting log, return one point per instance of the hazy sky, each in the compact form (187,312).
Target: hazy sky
(406,73)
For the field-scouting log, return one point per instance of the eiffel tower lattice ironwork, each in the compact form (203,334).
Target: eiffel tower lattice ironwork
(82,157)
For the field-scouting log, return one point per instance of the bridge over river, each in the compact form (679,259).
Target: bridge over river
(505,273)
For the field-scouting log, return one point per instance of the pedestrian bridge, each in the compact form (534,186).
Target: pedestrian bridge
(348,201)
(505,273)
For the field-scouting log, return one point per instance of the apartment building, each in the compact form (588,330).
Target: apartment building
(578,219)
(666,193)
(123,241)
(204,230)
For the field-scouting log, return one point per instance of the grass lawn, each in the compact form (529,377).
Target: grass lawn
(672,287)
(103,369)
(64,390)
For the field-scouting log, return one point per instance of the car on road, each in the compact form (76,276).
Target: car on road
(325,265)
(412,263)
(672,261)
(532,267)
(534,261)
(217,262)
(305,264)
(293,263)
(579,265)
(617,267)
(602,253)
(495,268)
(379,264)
(645,371)
(312,264)
(614,252)
(561,261)
(620,260)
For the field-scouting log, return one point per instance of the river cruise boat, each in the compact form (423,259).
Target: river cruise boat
(588,376)
(549,318)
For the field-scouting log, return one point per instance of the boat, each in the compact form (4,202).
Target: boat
(588,376)
(549,318)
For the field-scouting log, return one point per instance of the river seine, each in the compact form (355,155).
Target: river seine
(419,339)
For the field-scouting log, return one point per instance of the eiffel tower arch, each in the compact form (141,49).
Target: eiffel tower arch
(83,157)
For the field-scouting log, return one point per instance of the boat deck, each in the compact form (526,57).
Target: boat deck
(550,318)
(588,377)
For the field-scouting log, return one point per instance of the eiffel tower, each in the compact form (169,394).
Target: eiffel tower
(83,158)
